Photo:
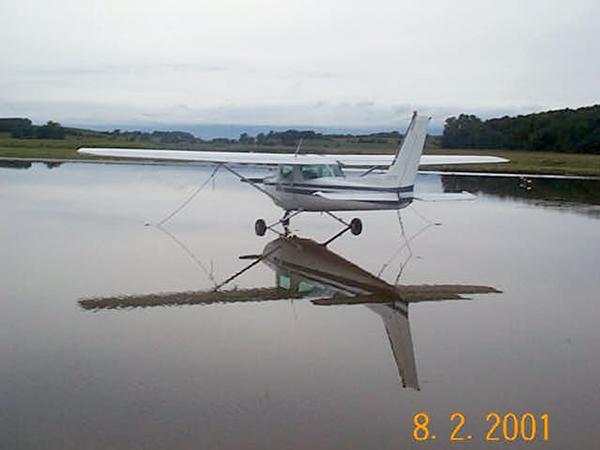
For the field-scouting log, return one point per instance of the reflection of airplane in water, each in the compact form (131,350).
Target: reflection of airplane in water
(306,269)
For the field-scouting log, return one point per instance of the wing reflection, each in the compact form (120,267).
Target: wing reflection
(306,269)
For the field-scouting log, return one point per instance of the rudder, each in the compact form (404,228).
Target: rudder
(406,163)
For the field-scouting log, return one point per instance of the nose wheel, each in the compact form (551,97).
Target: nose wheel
(260,227)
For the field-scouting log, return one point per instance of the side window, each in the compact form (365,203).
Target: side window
(320,170)
(326,171)
(283,281)
(286,172)
(310,172)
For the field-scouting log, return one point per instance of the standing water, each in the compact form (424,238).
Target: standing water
(112,335)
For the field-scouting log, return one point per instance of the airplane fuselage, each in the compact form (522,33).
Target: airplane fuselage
(295,191)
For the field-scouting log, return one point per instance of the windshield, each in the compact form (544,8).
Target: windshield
(320,170)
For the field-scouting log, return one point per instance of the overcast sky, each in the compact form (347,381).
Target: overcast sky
(310,62)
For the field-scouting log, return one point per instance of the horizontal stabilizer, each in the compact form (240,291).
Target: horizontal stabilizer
(443,197)
(360,197)
(393,197)
(435,160)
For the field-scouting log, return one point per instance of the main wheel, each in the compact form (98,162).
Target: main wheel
(260,227)
(356,226)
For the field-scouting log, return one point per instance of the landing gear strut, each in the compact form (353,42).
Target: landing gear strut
(355,227)
(261,227)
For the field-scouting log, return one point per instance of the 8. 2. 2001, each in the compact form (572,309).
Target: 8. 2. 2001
(507,427)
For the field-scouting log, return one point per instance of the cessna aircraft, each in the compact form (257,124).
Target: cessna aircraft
(307,269)
(310,182)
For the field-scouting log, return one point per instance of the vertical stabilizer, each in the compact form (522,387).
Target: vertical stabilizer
(406,163)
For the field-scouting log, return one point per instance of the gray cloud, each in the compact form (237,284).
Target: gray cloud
(113,69)
(314,62)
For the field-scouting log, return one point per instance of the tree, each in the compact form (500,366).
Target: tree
(564,130)
(245,139)
(52,130)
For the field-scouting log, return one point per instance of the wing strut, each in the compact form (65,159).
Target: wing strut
(247,180)
(369,171)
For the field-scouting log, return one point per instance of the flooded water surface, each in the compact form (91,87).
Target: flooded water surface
(117,333)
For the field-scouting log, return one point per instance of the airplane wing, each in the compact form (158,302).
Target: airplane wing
(426,160)
(274,159)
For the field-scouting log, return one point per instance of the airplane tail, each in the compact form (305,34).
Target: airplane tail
(406,163)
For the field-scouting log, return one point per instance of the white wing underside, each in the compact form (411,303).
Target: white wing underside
(444,197)
(392,197)
(274,159)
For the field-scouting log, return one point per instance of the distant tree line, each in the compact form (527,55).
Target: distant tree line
(163,137)
(24,128)
(289,137)
(566,130)
(292,137)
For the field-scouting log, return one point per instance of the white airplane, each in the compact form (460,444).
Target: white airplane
(310,182)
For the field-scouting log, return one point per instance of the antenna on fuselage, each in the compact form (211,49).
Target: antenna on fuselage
(298,148)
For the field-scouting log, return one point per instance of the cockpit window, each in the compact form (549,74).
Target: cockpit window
(337,170)
(311,172)
(286,171)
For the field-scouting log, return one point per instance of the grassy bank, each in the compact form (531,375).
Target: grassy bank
(528,162)
(521,161)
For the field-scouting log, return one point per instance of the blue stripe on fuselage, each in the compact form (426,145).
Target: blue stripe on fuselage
(313,191)
(304,187)
(400,201)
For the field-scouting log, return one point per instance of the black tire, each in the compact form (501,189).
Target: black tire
(260,227)
(356,226)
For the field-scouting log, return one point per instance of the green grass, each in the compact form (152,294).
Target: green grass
(528,162)
(521,161)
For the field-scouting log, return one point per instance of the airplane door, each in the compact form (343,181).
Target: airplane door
(285,176)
